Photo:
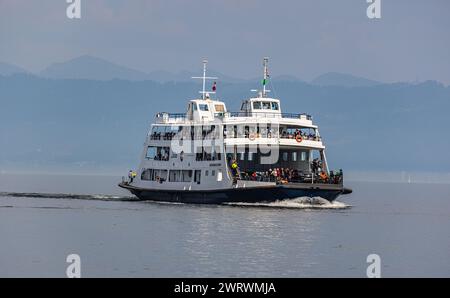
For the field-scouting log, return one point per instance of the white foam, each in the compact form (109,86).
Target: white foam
(298,203)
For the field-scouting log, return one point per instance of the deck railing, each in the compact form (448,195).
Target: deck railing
(336,178)
(166,117)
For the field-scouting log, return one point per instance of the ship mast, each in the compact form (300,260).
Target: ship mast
(204,78)
(265,79)
(266,75)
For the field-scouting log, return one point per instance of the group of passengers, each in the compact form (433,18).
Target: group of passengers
(162,156)
(167,136)
(299,133)
(286,175)
(274,175)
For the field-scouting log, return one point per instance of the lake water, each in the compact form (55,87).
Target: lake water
(407,225)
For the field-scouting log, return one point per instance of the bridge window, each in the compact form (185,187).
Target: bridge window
(257,105)
(266,105)
(219,108)
(275,106)
(203,107)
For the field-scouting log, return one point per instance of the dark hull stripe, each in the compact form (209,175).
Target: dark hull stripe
(247,195)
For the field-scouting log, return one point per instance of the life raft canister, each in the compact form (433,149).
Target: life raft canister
(298,138)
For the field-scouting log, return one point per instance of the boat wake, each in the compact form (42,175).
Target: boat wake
(298,203)
(68,196)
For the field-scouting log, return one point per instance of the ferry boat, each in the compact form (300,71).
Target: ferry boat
(209,155)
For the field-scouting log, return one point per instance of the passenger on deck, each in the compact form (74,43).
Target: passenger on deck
(234,168)
(131,176)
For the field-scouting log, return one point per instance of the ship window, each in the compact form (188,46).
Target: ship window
(213,173)
(194,105)
(266,105)
(285,156)
(174,176)
(206,173)
(154,175)
(219,176)
(242,156)
(198,176)
(157,153)
(203,107)
(147,175)
(186,175)
(180,176)
(151,153)
(219,108)
(162,153)
(275,106)
(294,156)
(257,105)
(163,175)
(250,156)
(303,156)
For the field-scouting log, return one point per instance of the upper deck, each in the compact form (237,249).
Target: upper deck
(254,110)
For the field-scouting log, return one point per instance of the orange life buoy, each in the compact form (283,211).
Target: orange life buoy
(298,138)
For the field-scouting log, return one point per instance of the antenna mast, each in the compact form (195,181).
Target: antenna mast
(204,78)
(266,75)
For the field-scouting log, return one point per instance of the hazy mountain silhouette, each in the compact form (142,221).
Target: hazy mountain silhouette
(344,80)
(87,67)
(7,69)
(93,68)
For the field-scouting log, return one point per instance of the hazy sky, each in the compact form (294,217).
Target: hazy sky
(304,38)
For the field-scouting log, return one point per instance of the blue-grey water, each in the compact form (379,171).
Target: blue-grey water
(407,225)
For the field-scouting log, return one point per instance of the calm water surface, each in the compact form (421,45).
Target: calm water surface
(408,225)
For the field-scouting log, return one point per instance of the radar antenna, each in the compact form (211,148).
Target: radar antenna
(204,93)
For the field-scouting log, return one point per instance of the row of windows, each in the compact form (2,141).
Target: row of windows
(205,107)
(285,156)
(162,153)
(178,175)
(265,105)
(261,105)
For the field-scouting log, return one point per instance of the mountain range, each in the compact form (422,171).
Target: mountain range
(93,68)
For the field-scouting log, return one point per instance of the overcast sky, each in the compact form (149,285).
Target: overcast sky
(304,38)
